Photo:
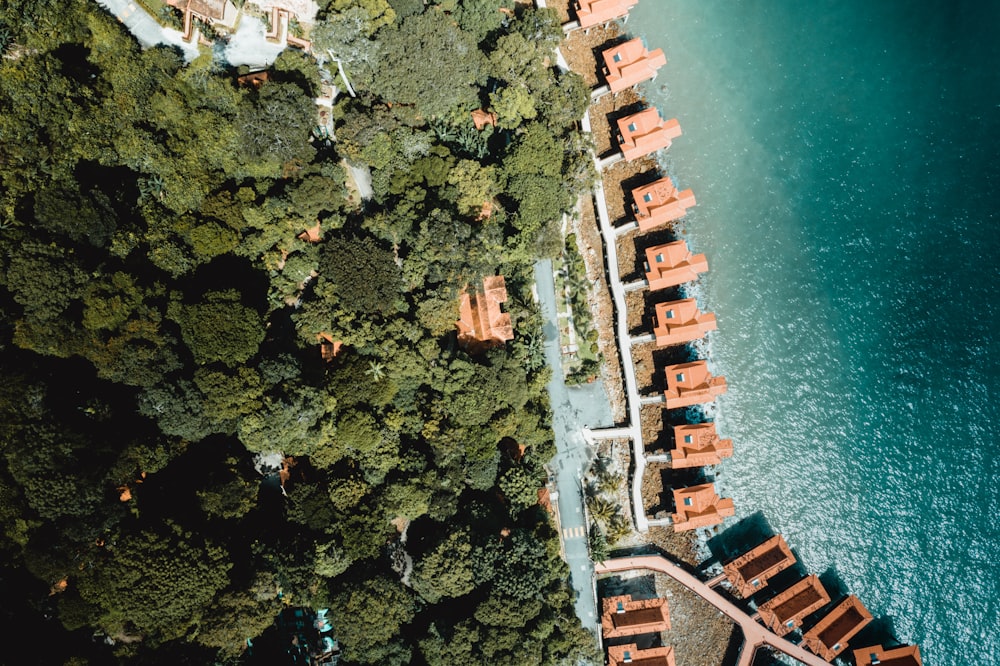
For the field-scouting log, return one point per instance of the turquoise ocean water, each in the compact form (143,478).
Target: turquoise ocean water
(845,159)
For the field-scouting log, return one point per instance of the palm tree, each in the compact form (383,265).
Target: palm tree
(375,370)
(601,509)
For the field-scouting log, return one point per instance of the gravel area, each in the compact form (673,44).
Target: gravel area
(591,246)
(629,260)
(606,111)
(561,7)
(635,302)
(582,50)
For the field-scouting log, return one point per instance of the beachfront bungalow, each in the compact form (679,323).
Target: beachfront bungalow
(620,655)
(830,635)
(482,323)
(625,616)
(905,655)
(660,202)
(751,572)
(672,264)
(691,384)
(785,612)
(700,506)
(678,322)
(643,133)
(628,64)
(697,445)
(595,12)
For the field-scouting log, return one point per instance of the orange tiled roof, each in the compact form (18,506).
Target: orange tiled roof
(698,445)
(645,132)
(630,63)
(328,347)
(700,506)
(751,572)
(481,118)
(785,612)
(594,12)
(829,636)
(691,384)
(482,322)
(678,322)
(620,655)
(623,616)
(660,202)
(672,264)
(312,234)
(905,655)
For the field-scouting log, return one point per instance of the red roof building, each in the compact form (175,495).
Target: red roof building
(312,235)
(328,347)
(697,445)
(481,118)
(785,612)
(624,616)
(750,572)
(691,384)
(482,323)
(594,12)
(620,655)
(630,63)
(672,264)
(906,655)
(830,635)
(660,202)
(645,132)
(700,506)
(678,322)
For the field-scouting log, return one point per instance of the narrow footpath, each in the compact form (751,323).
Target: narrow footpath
(754,634)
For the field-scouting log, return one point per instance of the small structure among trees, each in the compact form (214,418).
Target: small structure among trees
(482,324)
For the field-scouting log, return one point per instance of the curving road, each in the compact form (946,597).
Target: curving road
(754,634)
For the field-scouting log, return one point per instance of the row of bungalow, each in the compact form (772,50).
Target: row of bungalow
(687,384)
(751,572)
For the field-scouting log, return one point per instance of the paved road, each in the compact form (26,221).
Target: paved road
(754,635)
(572,408)
(145,28)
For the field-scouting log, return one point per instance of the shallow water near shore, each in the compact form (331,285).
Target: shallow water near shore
(844,157)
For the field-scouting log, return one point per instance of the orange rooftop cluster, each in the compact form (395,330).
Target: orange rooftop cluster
(700,506)
(643,133)
(786,611)
(595,12)
(481,321)
(660,202)
(630,63)
(751,572)
(691,384)
(624,616)
(678,322)
(672,264)
(698,445)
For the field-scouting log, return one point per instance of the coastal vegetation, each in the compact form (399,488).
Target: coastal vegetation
(162,305)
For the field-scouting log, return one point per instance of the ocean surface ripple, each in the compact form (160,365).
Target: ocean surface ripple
(844,156)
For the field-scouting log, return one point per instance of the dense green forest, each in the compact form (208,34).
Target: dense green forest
(159,318)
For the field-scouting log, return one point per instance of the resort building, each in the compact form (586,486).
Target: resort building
(595,12)
(672,264)
(482,323)
(691,384)
(620,655)
(700,506)
(698,445)
(830,635)
(481,118)
(212,12)
(328,347)
(628,64)
(660,202)
(785,612)
(643,133)
(906,655)
(678,322)
(750,572)
(624,616)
